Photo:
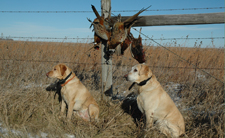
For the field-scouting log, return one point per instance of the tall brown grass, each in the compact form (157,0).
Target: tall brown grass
(25,105)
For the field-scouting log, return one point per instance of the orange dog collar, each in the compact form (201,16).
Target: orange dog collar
(67,81)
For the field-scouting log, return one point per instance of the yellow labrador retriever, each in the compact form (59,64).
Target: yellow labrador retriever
(74,94)
(155,103)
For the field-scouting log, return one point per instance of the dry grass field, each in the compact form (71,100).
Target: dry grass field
(27,109)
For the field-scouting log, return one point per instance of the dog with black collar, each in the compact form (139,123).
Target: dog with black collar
(155,103)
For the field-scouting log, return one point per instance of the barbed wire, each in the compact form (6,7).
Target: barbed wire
(207,8)
(182,9)
(65,38)
(187,38)
(169,67)
(21,37)
(46,11)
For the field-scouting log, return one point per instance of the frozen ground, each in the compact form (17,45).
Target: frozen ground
(5,132)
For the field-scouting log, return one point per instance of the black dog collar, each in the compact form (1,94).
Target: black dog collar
(144,82)
(141,83)
(64,80)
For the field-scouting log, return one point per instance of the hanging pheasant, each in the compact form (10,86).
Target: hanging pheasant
(136,48)
(121,30)
(101,27)
(123,46)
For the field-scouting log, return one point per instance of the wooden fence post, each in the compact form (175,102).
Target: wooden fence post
(177,19)
(106,60)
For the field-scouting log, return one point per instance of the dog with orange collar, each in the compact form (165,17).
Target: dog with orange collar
(74,94)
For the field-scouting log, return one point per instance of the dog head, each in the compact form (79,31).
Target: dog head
(139,73)
(60,71)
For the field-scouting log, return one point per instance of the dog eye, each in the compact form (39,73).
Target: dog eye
(54,69)
(135,70)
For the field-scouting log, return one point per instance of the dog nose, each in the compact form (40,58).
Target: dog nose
(125,76)
(47,74)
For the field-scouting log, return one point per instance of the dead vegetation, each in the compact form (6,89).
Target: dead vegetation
(29,109)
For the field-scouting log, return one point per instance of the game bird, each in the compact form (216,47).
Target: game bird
(136,48)
(121,30)
(120,49)
(102,28)
(101,25)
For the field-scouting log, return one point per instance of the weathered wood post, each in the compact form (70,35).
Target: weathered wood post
(106,60)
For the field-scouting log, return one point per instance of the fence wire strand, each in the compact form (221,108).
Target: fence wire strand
(181,9)
(67,38)
(168,67)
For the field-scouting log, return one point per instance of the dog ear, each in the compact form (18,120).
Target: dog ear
(63,69)
(144,70)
